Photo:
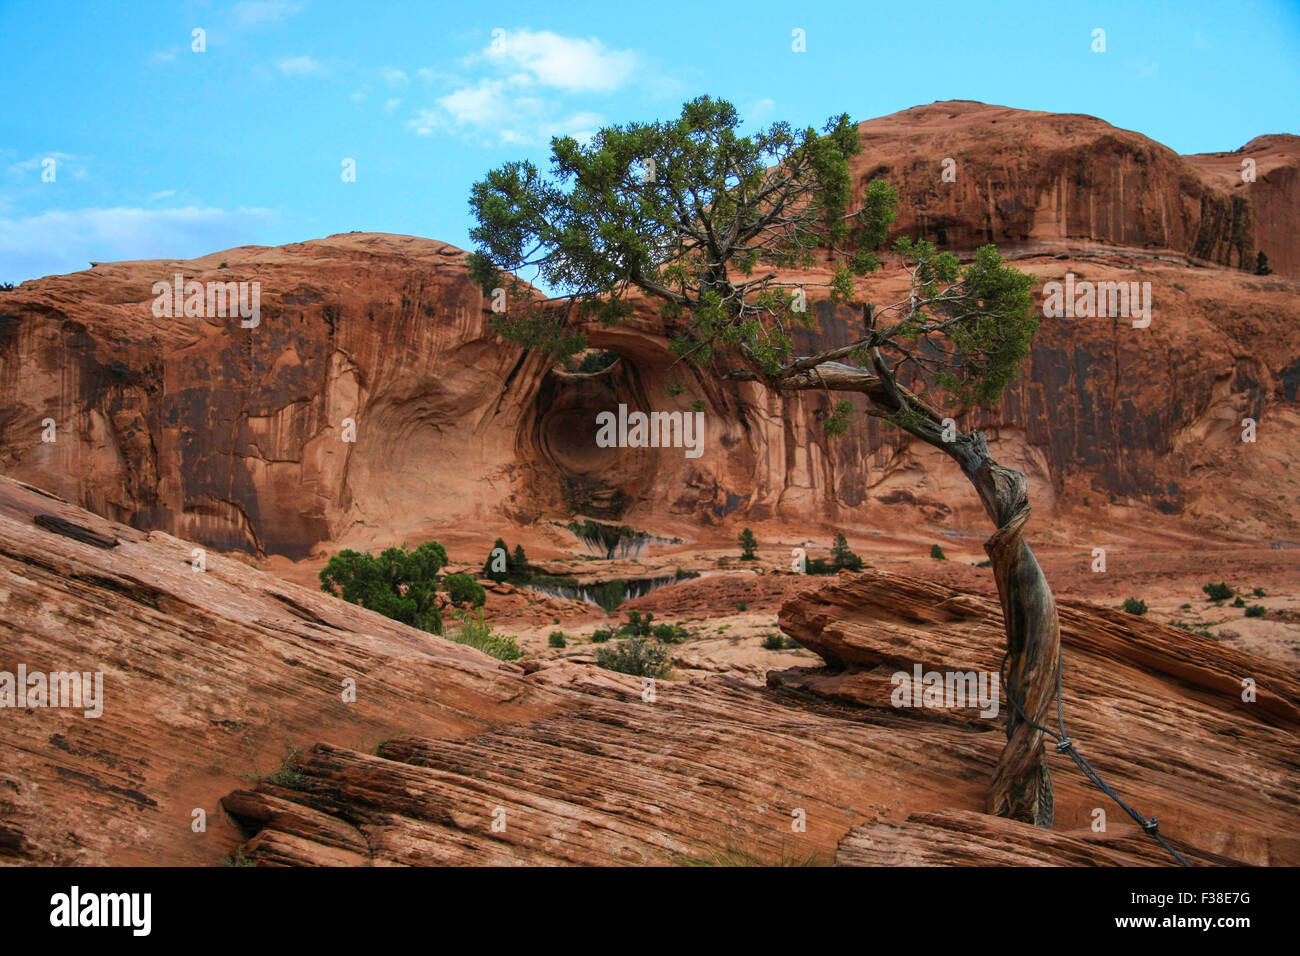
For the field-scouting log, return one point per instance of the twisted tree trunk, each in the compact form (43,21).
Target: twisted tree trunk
(1022,785)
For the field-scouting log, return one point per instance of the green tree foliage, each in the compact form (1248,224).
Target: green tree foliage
(748,545)
(398,583)
(464,590)
(498,547)
(1217,592)
(707,236)
(1261,265)
(842,557)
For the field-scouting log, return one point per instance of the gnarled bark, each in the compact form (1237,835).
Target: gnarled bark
(1022,785)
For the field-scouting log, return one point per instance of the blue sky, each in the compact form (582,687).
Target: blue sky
(161,151)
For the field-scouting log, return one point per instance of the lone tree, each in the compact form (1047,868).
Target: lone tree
(748,545)
(714,226)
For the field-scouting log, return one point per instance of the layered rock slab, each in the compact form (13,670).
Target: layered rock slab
(1158,711)
(208,675)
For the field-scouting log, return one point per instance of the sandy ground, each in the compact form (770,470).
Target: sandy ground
(733,606)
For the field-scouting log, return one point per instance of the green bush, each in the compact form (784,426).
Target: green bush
(557,639)
(635,656)
(1255,610)
(475,632)
(399,584)
(636,625)
(1238,602)
(936,552)
(669,633)
(464,590)
(842,557)
(742,606)
(1135,606)
(748,545)
(503,570)
(1258,592)
(773,642)
(600,635)
(1217,592)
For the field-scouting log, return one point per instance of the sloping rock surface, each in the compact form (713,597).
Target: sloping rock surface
(448,756)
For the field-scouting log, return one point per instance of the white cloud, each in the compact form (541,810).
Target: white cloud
(391,105)
(493,111)
(524,103)
(298,66)
(567,63)
(394,77)
(68,240)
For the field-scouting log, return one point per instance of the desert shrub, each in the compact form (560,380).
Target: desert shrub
(1217,592)
(773,642)
(1184,607)
(1258,592)
(742,606)
(1238,602)
(683,575)
(557,639)
(6,286)
(600,635)
(748,545)
(936,552)
(464,590)
(669,633)
(502,571)
(1135,606)
(636,625)
(842,557)
(635,656)
(477,633)
(1255,610)
(399,584)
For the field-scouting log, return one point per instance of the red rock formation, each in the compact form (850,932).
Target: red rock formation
(234,436)
(209,676)
(1139,700)
(1033,181)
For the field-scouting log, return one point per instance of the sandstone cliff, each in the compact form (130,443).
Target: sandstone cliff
(236,437)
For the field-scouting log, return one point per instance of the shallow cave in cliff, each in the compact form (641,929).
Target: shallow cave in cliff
(576,474)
